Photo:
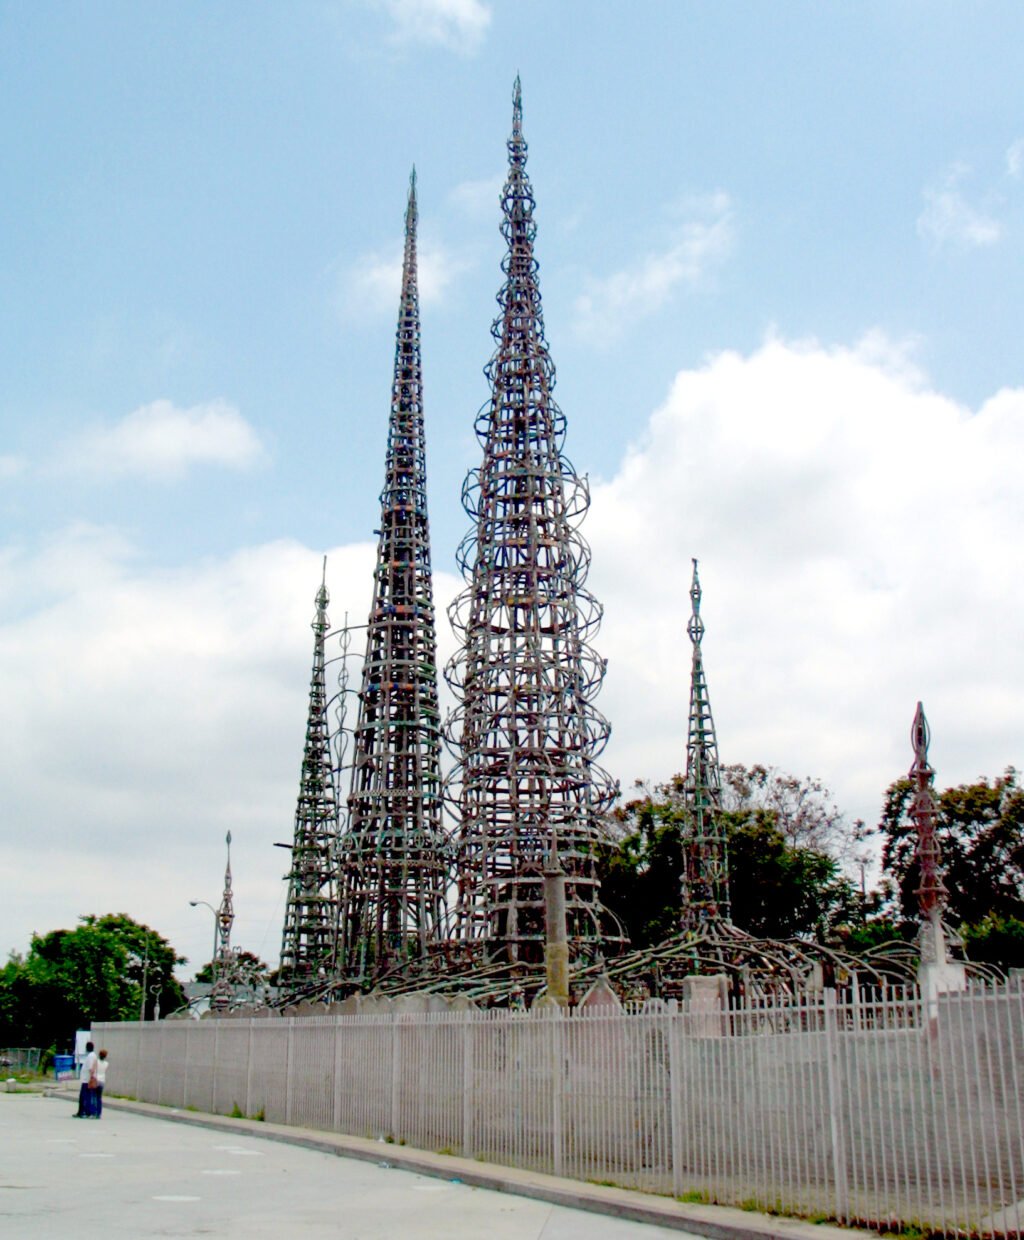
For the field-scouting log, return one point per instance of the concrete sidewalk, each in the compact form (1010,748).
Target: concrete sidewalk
(661,1215)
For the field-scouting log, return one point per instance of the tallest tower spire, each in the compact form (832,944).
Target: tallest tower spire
(392,853)
(526,788)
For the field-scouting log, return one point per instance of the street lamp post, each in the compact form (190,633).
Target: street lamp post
(216,926)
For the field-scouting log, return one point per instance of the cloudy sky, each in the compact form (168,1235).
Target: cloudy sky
(781,252)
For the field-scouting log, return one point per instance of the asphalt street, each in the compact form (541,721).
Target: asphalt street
(130,1177)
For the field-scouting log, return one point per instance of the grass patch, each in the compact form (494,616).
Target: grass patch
(236,1112)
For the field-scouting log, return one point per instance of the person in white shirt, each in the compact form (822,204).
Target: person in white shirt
(101,1080)
(86,1075)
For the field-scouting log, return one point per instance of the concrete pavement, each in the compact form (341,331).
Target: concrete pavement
(134,1175)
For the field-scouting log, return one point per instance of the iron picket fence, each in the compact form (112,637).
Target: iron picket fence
(888,1110)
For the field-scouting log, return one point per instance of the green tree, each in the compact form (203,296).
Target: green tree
(779,886)
(802,810)
(249,967)
(150,959)
(980,828)
(71,978)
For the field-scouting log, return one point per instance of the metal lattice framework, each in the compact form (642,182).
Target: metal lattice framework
(222,990)
(931,892)
(392,855)
(706,875)
(525,733)
(310,919)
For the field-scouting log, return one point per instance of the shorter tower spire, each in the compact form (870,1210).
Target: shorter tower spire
(310,918)
(706,860)
(220,994)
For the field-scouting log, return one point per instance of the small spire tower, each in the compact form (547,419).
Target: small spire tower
(392,854)
(931,890)
(526,787)
(706,871)
(310,919)
(223,958)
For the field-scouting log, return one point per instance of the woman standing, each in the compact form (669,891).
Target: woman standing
(101,1077)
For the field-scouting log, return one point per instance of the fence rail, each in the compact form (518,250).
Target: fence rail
(893,1111)
(20,1058)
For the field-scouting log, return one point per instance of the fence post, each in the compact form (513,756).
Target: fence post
(556,1025)
(396,1070)
(161,1042)
(338,1043)
(216,1056)
(833,1069)
(248,1069)
(138,1064)
(184,1081)
(467,1084)
(289,1056)
(673,1029)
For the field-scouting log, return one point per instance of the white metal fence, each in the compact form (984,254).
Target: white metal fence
(894,1111)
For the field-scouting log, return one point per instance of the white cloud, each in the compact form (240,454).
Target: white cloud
(861,542)
(1015,159)
(161,441)
(374,283)
(948,217)
(147,711)
(459,25)
(612,304)
(11,465)
(478,199)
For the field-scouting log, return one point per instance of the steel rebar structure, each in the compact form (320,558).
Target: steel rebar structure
(525,734)
(931,891)
(392,855)
(222,990)
(310,919)
(706,874)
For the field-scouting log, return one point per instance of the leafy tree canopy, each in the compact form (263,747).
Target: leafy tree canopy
(247,966)
(781,884)
(980,828)
(95,972)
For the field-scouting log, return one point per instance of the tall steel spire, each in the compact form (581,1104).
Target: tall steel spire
(706,874)
(310,919)
(526,785)
(392,854)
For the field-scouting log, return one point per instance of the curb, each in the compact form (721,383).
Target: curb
(714,1222)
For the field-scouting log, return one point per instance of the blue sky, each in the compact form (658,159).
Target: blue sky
(780,254)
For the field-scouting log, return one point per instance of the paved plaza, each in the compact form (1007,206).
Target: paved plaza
(130,1176)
